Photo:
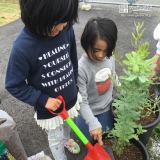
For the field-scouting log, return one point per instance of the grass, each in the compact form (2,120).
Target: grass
(9,11)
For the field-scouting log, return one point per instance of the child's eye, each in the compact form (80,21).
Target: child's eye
(96,50)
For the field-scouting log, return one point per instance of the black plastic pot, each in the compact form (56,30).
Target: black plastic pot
(144,138)
(142,148)
(138,144)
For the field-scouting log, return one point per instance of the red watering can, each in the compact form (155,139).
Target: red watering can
(96,152)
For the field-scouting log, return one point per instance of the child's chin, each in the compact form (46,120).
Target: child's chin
(54,34)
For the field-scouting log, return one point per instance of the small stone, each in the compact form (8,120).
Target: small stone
(86,7)
(156,148)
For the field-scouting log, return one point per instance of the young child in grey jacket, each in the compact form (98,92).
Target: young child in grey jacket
(96,64)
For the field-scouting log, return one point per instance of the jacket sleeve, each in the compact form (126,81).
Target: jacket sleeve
(73,55)
(16,83)
(85,110)
(156,33)
(156,36)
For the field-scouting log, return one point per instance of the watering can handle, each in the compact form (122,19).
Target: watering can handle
(64,115)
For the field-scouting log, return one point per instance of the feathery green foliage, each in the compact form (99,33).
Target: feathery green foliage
(133,95)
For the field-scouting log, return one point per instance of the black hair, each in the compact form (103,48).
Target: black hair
(99,28)
(39,16)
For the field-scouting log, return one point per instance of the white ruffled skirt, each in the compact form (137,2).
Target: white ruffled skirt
(54,122)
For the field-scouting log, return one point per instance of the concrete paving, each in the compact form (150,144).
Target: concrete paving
(33,137)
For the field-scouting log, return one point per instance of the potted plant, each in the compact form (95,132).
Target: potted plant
(133,100)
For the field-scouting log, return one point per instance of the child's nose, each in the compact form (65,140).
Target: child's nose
(100,55)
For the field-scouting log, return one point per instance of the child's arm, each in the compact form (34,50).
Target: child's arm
(156,36)
(157,62)
(85,110)
(15,82)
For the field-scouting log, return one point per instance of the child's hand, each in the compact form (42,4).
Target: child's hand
(97,135)
(53,104)
(157,62)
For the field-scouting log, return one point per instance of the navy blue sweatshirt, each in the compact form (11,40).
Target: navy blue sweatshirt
(39,69)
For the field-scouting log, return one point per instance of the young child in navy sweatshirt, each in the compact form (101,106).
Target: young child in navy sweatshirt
(43,65)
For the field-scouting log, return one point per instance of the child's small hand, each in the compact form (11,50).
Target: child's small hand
(53,104)
(97,135)
(157,62)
